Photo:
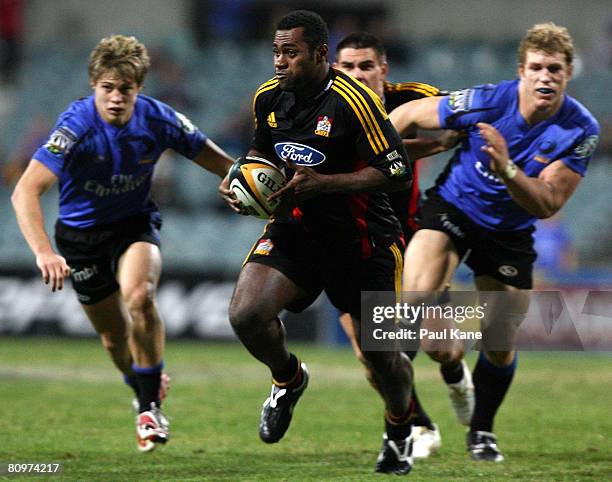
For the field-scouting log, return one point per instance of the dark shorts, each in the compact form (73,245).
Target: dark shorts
(337,268)
(93,253)
(505,256)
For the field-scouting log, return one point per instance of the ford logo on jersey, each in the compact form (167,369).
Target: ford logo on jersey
(298,154)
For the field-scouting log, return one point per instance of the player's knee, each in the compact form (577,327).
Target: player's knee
(245,317)
(451,356)
(140,301)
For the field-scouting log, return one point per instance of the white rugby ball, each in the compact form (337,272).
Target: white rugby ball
(252,179)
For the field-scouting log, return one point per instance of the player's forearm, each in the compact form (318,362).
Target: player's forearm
(368,179)
(422,147)
(31,222)
(214,159)
(418,114)
(535,196)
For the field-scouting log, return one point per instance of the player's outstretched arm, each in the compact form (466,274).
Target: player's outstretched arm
(214,159)
(542,196)
(34,182)
(425,147)
(418,114)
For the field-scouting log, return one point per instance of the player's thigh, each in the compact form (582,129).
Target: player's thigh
(262,292)
(108,316)
(138,271)
(430,261)
(506,307)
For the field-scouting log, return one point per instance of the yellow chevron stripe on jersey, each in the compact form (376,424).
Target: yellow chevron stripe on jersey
(373,142)
(268,85)
(425,89)
(370,115)
(361,103)
(377,100)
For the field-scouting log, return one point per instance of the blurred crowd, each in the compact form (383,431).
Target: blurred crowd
(230,37)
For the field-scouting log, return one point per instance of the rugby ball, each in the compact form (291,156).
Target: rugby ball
(252,179)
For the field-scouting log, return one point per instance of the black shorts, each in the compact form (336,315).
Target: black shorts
(506,256)
(93,253)
(338,268)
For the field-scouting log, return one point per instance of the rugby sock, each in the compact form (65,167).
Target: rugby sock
(421,418)
(452,372)
(491,384)
(149,380)
(398,428)
(290,374)
(132,382)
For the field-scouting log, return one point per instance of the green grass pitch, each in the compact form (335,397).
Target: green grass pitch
(62,401)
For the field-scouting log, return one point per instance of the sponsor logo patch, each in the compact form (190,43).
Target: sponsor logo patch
(299,154)
(461,100)
(272,120)
(542,159)
(587,147)
(61,141)
(508,271)
(84,274)
(264,247)
(324,125)
(185,123)
(450,226)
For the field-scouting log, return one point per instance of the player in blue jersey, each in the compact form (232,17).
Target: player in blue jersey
(103,150)
(529,145)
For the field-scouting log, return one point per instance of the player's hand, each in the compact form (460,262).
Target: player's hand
(305,184)
(495,146)
(450,139)
(53,268)
(229,197)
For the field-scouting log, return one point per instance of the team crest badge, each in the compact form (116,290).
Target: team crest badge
(324,125)
(264,247)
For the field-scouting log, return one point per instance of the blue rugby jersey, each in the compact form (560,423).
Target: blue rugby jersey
(105,171)
(570,135)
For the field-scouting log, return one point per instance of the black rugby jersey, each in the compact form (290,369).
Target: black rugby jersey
(406,203)
(341,129)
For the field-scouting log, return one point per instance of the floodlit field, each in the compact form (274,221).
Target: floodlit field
(61,401)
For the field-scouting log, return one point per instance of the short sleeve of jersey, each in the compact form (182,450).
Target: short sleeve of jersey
(262,138)
(578,157)
(464,108)
(377,142)
(180,134)
(62,141)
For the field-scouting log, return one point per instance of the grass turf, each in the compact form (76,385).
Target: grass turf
(62,401)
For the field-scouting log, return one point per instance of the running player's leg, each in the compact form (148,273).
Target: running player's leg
(138,273)
(431,260)
(111,321)
(426,436)
(261,293)
(496,365)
